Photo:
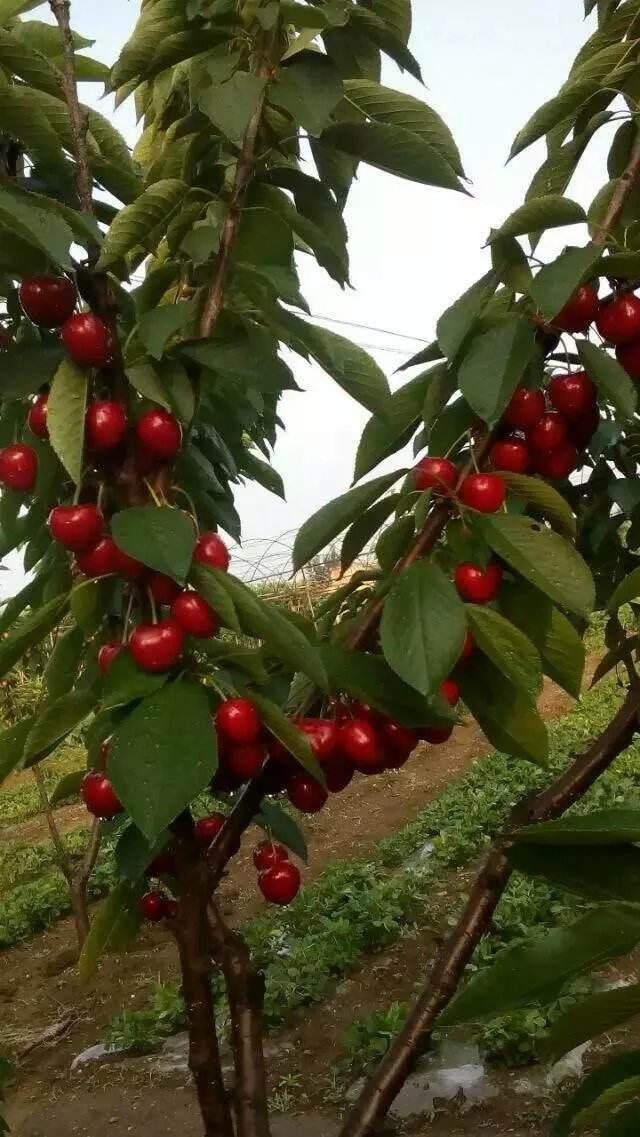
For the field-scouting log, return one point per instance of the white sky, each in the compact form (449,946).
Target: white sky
(413,249)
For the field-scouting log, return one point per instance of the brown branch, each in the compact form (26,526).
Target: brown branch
(456,952)
(624,185)
(78,116)
(92,850)
(62,857)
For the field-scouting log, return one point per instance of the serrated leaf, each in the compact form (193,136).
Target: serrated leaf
(66,408)
(395,108)
(562,108)
(62,665)
(57,720)
(369,678)
(423,626)
(508,648)
(612,875)
(125,682)
(545,499)
(113,928)
(364,528)
(309,89)
(599,1014)
(67,787)
(351,367)
(25,367)
(208,584)
(29,631)
(161,537)
(263,473)
(507,717)
(543,558)
(133,224)
(609,377)
(455,324)
(493,366)
(556,283)
(36,227)
(332,519)
(293,739)
(560,647)
(161,324)
(395,150)
(231,105)
(602,827)
(386,434)
(549,212)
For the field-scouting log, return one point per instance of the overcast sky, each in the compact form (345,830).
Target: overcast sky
(413,249)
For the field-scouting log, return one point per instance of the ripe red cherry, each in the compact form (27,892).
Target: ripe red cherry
(99,796)
(437,474)
(359,742)
(163,589)
(323,736)
(618,321)
(160,433)
(468,647)
(153,906)
(267,854)
(127,567)
(338,774)
(238,720)
(245,762)
(87,340)
(573,395)
(108,652)
(106,424)
(549,433)
(478,585)
(579,312)
(558,463)
(163,864)
(18,467)
(365,711)
(280,884)
(583,429)
(525,408)
(77,527)
(207,828)
(484,492)
(628,356)
(48,300)
(99,560)
(450,690)
(156,647)
(306,794)
(400,740)
(436,735)
(211,550)
(194,615)
(511,455)
(37,417)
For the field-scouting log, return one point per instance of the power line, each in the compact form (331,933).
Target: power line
(368,328)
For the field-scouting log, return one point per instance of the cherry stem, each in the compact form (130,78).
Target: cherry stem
(152,604)
(127,618)
(153,494)
(465,434)
(191,503)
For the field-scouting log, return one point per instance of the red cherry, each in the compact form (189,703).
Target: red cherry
(618,320)
(579,312)
(77,527)
(107,654)
(280,884)
(484,492)
(338,774)
(365,711)
(18,467)
(583,429)
(437,474)
(207,828)
(106,424)
(525,408)
(98,795)
(48,300)
(238,720)
(163,589)
(306,794)
(628,356)
(478,585)
(549,433)
(323,736)
(153,906)
(127,567)
(436,735)
(87,340)
(573,395)
(468,647)
(160,433)
(163,864)
(245,762)
(359,742)
(99,560)
(194,615)
(511,455)
(400,740)
(450,690)
(37,417)
(267,854)
(156,647)
(558,463)
(211,550)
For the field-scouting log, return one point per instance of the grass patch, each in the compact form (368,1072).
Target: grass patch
(23,802)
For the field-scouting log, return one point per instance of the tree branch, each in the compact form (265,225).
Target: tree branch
(78,116)
(92,850)
(62,857)
(624,185)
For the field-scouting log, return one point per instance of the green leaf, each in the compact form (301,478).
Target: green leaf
(37,227)
(29,631)
(395,541)
(455,324)
(545,499)
(510,264)
(599,1014)
(544,559)
(506,715)
(232,656)
(113,928)
(395,108)
(133,853)
(557,282)
(57,720)
(125,682)
(281,827)
(395,150)
(364,528)
(63,663)
(295,741)
(231,105)
(309,89)
(602,827)
(68,786)
(563,107)
(609,377)
(627,590)
(548,212)
(133,224)
(208,583)
(351,367)
(65,416)
(332,519)
(593,1085)
(263,473)
(24,367)
(493,366)
(152,784)
(613,875)
(508,648)
(386,434)
(369,678)
(161,537)
(559,645)
(429,354)
(423,626)
(87,604)
(524,974)
(161,324)
(12,742)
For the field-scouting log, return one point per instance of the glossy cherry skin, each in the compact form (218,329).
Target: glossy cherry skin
(77,527)
(163,864)
(400,740)
(211,550)
(18,467)
(628,356)
(437,474)
(572,395)
(558,463)
(207,828)
(306,794)
(87,340)
(163,589)
(280,884)
(99,560)
(160,433)
(579,312)
(128,567)
(359,742)
(238,720)
(525,408)
(360,710)
(153,906)
(37,417)
(245,762)
(450,690)
(436,735)
(105,424)
(338,774)
(549,433)
(268,854)
(194,615)
(99,796)
(485,493)
(468,647)
(48,300)
(583,429)
(156,647)
(108,652)
(618,321)
(323,736)
(511,455)
(478,585)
